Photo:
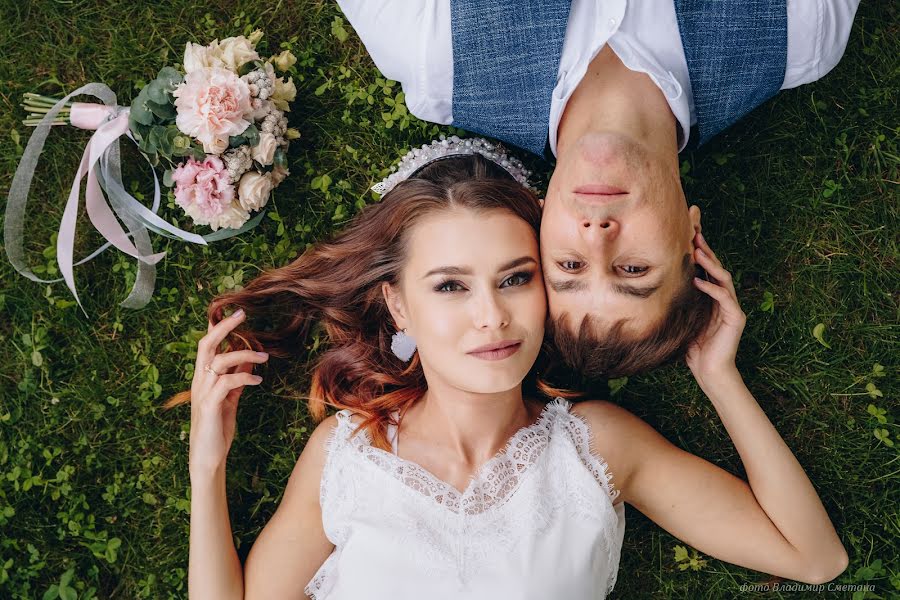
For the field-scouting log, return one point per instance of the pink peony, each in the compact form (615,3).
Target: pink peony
(203,189)
(212,104)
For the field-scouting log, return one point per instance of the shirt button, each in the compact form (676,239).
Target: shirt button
(612,23)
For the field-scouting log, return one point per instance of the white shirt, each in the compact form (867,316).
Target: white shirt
(537,521)
(410,42)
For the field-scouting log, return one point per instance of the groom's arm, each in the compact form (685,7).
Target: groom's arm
(818,31)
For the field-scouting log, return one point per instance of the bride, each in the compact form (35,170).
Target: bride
(451,470)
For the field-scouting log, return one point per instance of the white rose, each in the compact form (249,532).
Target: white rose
(285,91)
(254,190)
(277,175)
(285,60)
(196,57)
(264,151)
(233,218)
(255,37)
(216,145)
(233,52)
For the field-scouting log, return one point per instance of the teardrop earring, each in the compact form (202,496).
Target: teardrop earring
(403,345)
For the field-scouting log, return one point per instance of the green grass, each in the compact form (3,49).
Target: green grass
(800,200)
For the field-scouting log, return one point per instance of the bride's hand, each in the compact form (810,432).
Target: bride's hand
(214,398)
(711,355)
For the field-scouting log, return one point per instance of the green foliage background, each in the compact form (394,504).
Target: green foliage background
(800,200)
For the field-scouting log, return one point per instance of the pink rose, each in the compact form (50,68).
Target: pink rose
(203,189)
(212,104)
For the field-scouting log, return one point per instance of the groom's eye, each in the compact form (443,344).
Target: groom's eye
(632,270)
(570,265)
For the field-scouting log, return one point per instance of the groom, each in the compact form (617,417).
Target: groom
(612,88)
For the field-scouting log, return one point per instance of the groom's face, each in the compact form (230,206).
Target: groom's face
(614,234)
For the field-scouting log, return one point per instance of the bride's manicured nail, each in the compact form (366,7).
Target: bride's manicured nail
(236,314)
(262,354)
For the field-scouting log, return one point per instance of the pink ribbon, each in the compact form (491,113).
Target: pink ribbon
(98,210)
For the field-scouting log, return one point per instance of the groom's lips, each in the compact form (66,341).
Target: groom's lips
(598,193)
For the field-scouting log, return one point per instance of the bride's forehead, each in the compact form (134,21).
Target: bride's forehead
(465,232)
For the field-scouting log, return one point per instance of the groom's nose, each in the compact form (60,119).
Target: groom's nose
(599,230)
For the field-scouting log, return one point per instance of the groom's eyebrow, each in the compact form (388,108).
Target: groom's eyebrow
(576,285)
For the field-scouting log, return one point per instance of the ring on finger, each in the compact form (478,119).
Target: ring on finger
(208,368)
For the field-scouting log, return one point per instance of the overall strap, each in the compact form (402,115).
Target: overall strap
(736,53)
(505,60)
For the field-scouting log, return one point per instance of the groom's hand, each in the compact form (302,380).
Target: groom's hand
(711,355)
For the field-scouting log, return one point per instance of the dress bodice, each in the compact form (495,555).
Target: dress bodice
(535,521)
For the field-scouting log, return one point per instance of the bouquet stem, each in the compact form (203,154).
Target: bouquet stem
(38,106)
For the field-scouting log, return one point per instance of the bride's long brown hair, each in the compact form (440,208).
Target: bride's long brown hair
(338,283)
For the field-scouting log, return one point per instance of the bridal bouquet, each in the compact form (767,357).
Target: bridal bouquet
(215,126)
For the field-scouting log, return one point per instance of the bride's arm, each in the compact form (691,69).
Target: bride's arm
(288,551)
(292,546)
(773,523)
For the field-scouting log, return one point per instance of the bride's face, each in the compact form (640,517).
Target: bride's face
(472,279)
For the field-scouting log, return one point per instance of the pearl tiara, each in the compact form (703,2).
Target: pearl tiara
(443,147)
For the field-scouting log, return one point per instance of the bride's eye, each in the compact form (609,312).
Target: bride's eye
(454,286)
(570,265)
(633,270)
(520,278)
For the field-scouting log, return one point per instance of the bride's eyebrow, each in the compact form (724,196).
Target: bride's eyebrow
(453,270)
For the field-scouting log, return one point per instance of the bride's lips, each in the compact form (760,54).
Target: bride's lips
(497,351)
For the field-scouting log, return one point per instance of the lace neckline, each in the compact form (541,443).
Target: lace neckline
(490,485)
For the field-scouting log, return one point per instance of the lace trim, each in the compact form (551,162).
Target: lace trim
(580,432)
(323,580)
(491,485)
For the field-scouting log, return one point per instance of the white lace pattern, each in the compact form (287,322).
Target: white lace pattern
(547,481)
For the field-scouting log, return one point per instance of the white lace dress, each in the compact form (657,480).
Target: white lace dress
(536,521)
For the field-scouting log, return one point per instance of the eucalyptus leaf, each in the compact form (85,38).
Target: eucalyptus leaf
(157,133)
(140,112)
(169,77)
(156,92)
(147,146)
(139,130)
(163,111)
(251,134)
(167,178)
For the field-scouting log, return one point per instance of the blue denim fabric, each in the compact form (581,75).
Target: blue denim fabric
(736,53)
(506,57)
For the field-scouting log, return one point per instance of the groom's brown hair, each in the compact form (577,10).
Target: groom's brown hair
(614,353)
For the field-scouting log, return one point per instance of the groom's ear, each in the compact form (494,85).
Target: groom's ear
(694,216)
(541,202)
(394,302)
